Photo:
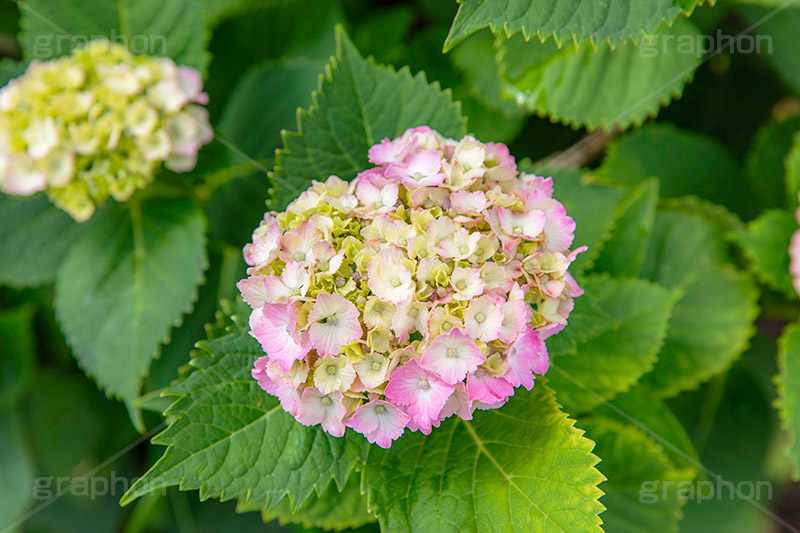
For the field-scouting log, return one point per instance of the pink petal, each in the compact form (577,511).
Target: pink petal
(274,326)
(379,421)
(326,409)
(452,356)
(559,232)
(254,291)
(423,392)
(482,387)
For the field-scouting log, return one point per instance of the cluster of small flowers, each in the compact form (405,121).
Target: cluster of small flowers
(98,123)
(422,289)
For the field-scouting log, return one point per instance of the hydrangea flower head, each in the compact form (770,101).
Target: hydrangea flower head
(98,123)
(423,289)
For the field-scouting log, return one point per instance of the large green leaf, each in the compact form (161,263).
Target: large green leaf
(231,440)
(51,29)
(594,208)
(476,58)
(735,428)
(63,402)
(600,87)
(613,339)
(713,321)
(16,354)
(357,105)
(792,169)
(334,509)
(776,37)
(34,238)
(523,467)
(9,69)
(16,472)
(126,283)
(641,408)
(255,128)
(641,494)
(685,162)
(766,242)
(789,391)
(614,21)
(624,253)
(764,163)
(297,28)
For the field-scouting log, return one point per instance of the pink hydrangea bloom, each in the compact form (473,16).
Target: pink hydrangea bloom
(421,290)
(452,356)
(421,392)
(275,327)
(334,323)
(326,409)
(379,421)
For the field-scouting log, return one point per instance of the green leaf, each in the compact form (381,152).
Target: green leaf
(520,468)
(764,163)
(600,87)
(766,243)
(297,28)
(9,69)
(17,354)
(643,409)
(788,383)
(255,128)
(126,283)
(623,255)
(16,471)
(357,105)
(231,440)
(332,510)
(777,36)
(61,403)
(736,427)
(792,167)
(641,494)
(52,29)
(612,21)
(382,34)
(236,207)
(687,163)
(476,58)
(713,321)
(613,339)
(34,238)
(593,207)
(487,123)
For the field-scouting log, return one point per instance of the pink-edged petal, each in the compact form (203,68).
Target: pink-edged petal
(379,421)
(288,396)
(326,409)
(559,232)
(275,328)
(254,291)
(528,356)
(482,387)
(452,356)
(457,404)
(421,391)
(334,323)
